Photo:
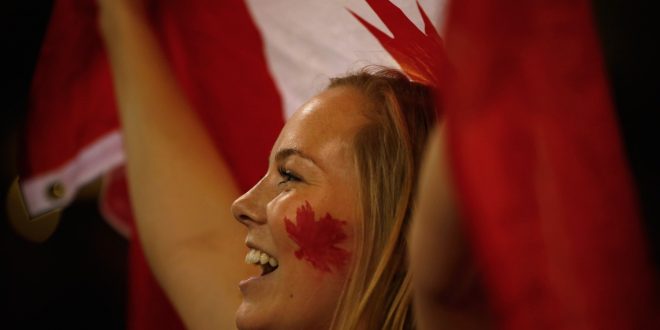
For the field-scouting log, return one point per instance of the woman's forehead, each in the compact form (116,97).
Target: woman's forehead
(325,125)
(336,111)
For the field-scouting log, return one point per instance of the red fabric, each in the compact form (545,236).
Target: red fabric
(216,52)
(421,55)
(218,55)
(538,162)
(71,97)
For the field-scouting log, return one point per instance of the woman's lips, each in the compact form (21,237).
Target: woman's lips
(267,269)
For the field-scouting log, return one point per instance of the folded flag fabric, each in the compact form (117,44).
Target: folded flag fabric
(544,187)
(543,181)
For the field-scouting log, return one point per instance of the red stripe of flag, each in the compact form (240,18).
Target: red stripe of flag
(539,164)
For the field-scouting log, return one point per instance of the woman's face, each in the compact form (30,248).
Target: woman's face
(301,217)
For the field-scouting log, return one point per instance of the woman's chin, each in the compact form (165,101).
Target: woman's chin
(248,317)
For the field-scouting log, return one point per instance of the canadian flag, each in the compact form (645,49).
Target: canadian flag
(548,203)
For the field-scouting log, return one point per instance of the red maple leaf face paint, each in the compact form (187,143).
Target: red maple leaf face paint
(317,240)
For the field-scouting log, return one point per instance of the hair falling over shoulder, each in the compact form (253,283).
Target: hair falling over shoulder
(400,116)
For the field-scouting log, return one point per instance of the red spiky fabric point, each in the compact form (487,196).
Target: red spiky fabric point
(421,54)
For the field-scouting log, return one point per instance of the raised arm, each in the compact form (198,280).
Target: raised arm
(180,186)
(446,290)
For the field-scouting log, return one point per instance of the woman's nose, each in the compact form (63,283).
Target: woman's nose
(250,209)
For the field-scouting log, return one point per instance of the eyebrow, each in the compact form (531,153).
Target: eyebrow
(283,154)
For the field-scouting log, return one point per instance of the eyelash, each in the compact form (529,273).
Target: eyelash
(287,176)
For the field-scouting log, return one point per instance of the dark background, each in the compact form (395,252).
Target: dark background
(77,279)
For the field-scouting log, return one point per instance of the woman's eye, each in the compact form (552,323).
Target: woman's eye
(287,176)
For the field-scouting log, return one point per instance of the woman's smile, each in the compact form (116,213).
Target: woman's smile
(301,217)
(258,257)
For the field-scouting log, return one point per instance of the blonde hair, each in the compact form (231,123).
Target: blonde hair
(387,154)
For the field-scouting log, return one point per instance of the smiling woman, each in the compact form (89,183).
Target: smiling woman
(311,173)
(325,225)
(343,168)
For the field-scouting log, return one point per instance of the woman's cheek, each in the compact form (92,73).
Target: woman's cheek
(318,239)
(281,207)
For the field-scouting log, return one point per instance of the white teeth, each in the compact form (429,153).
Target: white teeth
(264,258)
(260,258)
